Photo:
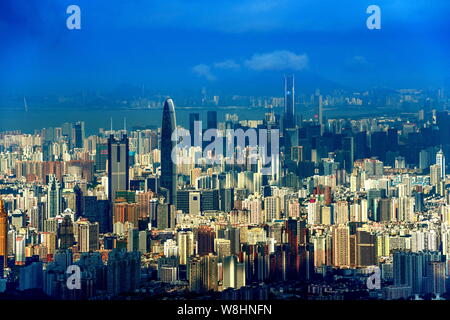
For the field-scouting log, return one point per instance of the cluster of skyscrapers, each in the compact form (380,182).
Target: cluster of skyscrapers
(351,199)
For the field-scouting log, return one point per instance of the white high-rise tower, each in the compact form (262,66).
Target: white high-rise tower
(440,160)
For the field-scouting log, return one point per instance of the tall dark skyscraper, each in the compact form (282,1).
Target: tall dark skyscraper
(78,134)
(348,146)
(118,164)
(392,139)
(47,154)
(96,210)
(168,167)
(378,144)
(65,233)
(205,240)
(211,119)
(289,104)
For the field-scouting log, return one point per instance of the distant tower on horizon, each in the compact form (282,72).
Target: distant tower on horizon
(318,105)
(168,167)
(440,160)
(289,102)
(3,234)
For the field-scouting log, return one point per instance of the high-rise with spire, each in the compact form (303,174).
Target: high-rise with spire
(3,233)
(168,167)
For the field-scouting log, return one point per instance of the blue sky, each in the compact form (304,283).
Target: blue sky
(233,45)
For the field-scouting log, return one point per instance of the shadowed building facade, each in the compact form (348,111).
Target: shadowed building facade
(168,167)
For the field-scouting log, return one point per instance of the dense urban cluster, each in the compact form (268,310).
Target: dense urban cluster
(353,208)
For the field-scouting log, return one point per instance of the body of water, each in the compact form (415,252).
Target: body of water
(28,121)
(96,118)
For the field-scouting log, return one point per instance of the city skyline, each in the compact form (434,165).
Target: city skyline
(369,179)
(213,153)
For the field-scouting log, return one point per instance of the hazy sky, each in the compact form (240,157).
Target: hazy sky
(184,43)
